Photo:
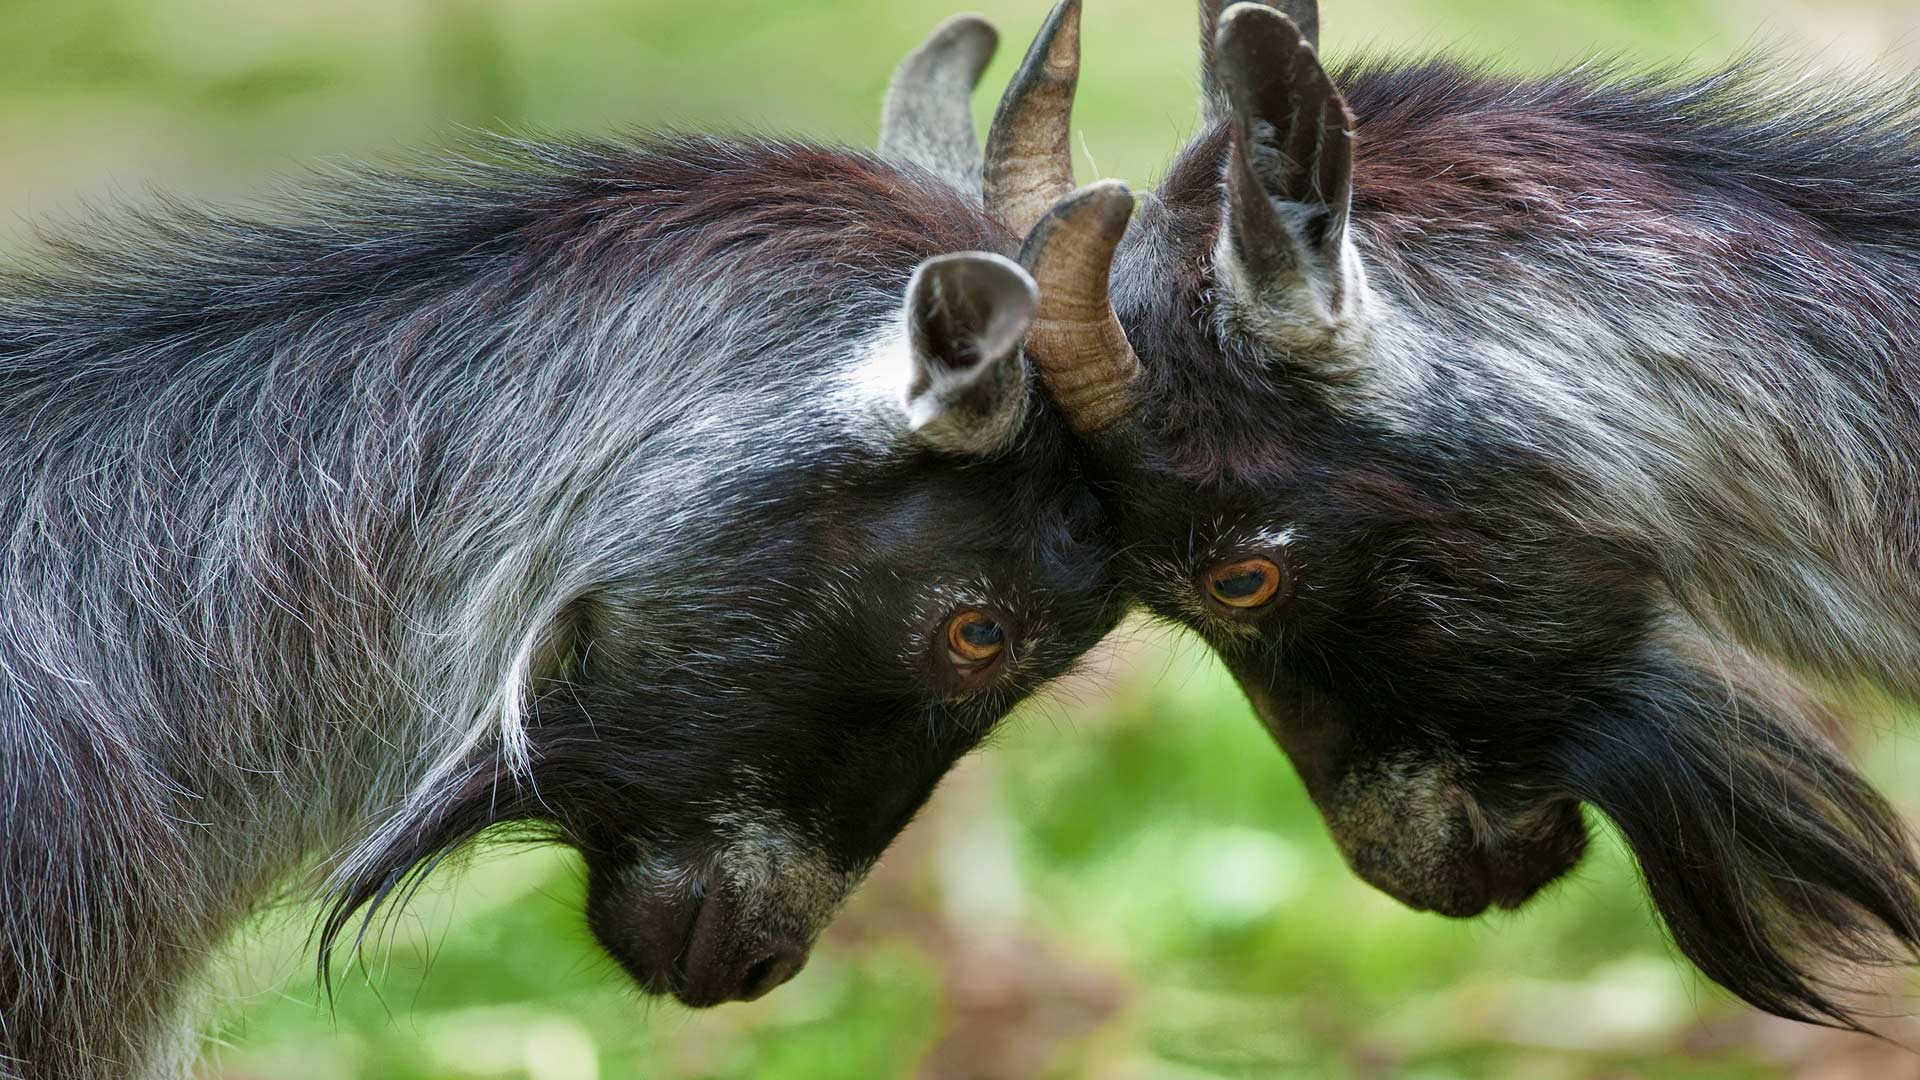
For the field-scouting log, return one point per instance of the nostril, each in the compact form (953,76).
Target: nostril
(770,971)
(724,960)
(758,974)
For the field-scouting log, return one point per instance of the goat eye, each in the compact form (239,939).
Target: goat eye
(974,640)
(1244,584)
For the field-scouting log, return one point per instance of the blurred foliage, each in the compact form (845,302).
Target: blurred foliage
(210,95)
(1131,883)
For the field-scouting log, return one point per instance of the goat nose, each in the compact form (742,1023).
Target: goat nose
(744,976)
(774,969)
(730,959)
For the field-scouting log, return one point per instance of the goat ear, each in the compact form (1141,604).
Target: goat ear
(967,318)
(1215,106)
(927,117)
(1286,252)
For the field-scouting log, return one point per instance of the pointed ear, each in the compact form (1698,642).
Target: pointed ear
(927,117)
(967,318)
(1214,105)
(1286,253)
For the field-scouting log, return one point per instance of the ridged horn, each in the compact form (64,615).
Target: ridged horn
(1029,163)
(1077,343)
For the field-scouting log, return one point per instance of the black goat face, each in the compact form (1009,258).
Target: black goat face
(731,774)
(1421,713)
(1454,662)
(825,604)
(1452,686)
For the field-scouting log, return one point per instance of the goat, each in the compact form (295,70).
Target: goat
(1515,442)
(687,502)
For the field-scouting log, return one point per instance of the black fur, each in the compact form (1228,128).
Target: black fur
(548,491)
(1632,402)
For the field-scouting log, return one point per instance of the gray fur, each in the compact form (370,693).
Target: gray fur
(1772,481)
(927,117)
(292,527)
(1616,419)
(1724,392)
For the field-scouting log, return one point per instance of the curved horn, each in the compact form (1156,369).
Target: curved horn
(1214,102)
(927,117)
(1029,163)
(1077,342)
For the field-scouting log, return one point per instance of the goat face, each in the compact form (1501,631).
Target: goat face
(1452,664)
(732,730)
(1418,663)
(1415,655)
(731,771)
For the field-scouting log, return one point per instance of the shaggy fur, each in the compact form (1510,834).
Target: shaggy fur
(1624,366)
(570,487)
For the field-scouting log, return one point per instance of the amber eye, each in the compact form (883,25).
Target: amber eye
(1244,583)
(974,640)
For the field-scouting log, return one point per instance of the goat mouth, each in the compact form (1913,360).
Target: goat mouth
(679,933)
(648,933)
(1511,892)
(1475,885)
(1556,841)
(726,959)
(1476,872)
(674,978)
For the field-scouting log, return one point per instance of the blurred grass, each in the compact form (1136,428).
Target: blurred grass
(209,95)
(1131,883)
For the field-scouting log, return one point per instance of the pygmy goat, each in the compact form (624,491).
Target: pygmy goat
(1483,425)
(690,504)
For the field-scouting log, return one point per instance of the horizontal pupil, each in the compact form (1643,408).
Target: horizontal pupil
(1241,584)
(981,632)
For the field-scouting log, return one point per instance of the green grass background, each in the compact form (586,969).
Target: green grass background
(1130,882)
